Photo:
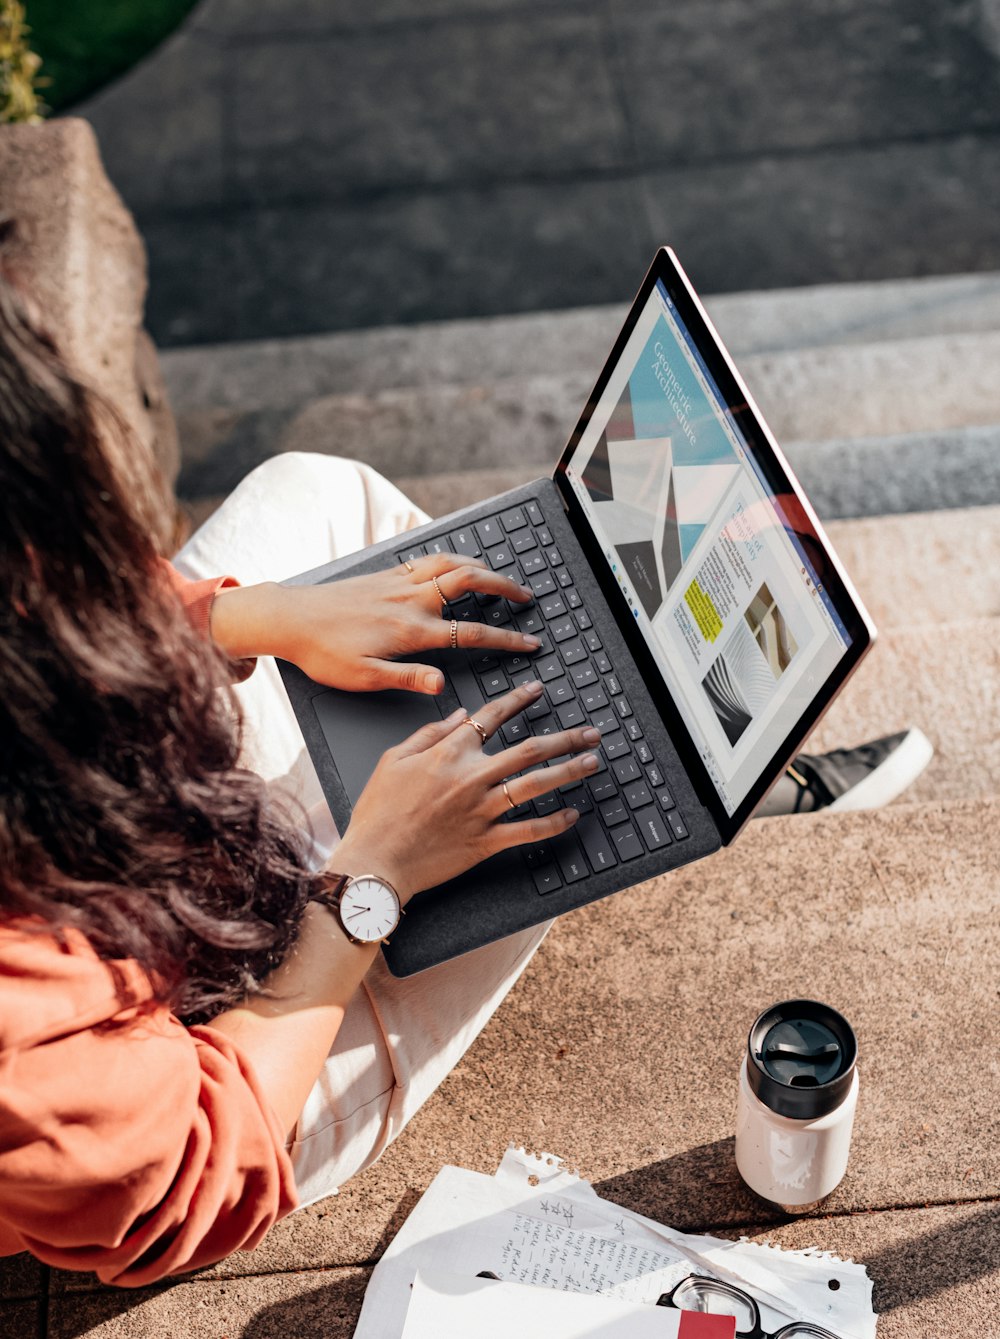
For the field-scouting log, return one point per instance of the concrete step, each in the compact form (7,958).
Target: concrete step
(929,386)
(289,372)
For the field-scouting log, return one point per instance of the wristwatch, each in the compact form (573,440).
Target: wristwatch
(367,906)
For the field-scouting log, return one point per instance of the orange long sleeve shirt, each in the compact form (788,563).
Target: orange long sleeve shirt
(129,1144)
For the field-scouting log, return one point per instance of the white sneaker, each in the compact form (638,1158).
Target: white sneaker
(866,777)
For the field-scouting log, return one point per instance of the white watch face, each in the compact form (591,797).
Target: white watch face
(369,909)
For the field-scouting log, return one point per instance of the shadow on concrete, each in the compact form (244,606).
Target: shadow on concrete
(330,1310)
(944,1258)
(691,1190)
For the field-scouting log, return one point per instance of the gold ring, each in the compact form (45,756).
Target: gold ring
(479,728)
(507,793)
(454,634)
(444,602)
(408,565)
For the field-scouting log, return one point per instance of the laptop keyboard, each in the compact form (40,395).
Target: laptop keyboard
(626,808)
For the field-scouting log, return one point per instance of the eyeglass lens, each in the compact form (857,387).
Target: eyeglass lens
(717,1299)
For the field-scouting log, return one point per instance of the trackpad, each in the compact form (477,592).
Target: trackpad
(359,727)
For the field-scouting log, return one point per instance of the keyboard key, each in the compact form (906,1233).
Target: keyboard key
(554,556)
(603,663)
(623,707)
(552,606)
(570,714)
(464,541)
(524,542)
(549,668)
(516,730)
(613,813)
(652,829)
(561,691)
(573,598)
(488,532)
(583,674)
(615,746)
(546,804)
(643,752)
(677,825)
(637,796)
(545,537)
(523,676)
(564,576)
(546,879)
(499,557)
(584,621)
(654,776)
(627,844)
(541,584)
(411,555)
(664,798)
(549,726)
(593,697)
(513,519)
(439,545)
(633,729)
(484,662)
(496,615)
(519,812)
(544,645)
(626,770)
(604,720)
(572,865)
(596,843)
(603,787)
(537,709)
(613,686)
(572,652)
(562,629)
(592,639)
(465,610)
(534,513)
(494,682)
(533,562)
(529,621)
(579,799)
(516,663)
(538,855)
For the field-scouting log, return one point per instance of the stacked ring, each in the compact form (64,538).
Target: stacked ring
(440,592)
(507,793)
(408,565)
(454,634)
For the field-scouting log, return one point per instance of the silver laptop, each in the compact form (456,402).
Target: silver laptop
(689,605)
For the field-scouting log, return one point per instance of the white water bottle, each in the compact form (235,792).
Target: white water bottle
(798,1093)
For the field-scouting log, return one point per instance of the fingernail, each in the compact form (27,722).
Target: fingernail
(532,643)
(458,715)
(433,682)
(534,687)
(591,736)
(590,763)
(570,816)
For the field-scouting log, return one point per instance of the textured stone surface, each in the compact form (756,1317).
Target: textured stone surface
(78,253)
(20,1276)
(287,372)
(299,1305)
(19,1320)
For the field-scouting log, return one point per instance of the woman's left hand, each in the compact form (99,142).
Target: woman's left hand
(347,634)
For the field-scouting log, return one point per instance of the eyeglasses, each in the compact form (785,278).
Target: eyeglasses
(714,1298)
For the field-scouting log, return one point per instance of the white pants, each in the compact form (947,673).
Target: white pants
(400,1038)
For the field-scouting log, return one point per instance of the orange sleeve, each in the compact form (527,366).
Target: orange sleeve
(137,1149)
(197,598)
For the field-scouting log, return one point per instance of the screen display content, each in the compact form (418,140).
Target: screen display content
(709,557)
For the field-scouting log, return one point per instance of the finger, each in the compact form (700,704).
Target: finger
(428,735)
(437,564)
(539,749)
(505,835)
(542,780)
(493,714)
(410,677)
(462,580)
(471,636)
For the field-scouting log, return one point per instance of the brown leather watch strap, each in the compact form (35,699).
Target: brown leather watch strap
(328,895)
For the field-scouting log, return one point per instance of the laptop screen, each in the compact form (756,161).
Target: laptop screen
(711,552)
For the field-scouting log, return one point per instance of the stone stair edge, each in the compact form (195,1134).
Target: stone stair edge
(280,372)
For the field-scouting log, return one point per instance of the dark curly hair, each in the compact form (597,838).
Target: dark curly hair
(123,811)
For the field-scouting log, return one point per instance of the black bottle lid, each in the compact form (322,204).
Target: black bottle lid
(800,1059)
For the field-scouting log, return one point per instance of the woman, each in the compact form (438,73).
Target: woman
(185,1053)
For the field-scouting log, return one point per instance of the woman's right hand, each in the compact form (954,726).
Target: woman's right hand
(435,804)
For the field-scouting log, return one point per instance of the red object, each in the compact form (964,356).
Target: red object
(696,1325)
